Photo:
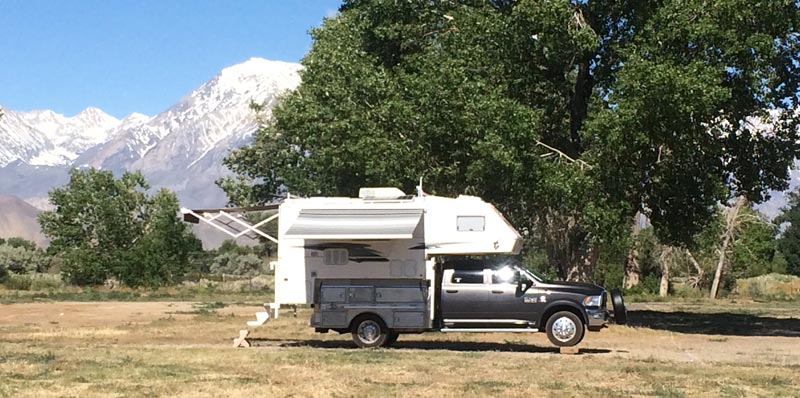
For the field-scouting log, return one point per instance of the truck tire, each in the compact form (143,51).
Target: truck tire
(565,329)
(369,331)
(620,312)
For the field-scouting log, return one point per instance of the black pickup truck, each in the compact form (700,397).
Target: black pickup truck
(466,295)
(477,296)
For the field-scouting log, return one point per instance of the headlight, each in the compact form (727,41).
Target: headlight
(592,301)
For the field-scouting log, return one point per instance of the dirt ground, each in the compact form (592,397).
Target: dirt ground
(738,349)
(736,337)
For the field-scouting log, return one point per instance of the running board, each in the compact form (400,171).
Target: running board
(484,330)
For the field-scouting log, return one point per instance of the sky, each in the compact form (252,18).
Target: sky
(126,56)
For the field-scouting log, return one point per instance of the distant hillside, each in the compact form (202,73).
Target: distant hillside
(18,219)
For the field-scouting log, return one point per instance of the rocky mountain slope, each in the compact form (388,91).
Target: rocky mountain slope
(181,148)
(18,219)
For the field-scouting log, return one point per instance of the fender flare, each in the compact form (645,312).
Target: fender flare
(550,309)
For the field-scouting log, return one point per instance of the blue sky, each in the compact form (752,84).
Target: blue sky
(127,56)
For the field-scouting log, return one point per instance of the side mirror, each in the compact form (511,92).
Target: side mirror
(522,285)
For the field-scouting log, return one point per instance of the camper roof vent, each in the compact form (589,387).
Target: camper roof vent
(381,194)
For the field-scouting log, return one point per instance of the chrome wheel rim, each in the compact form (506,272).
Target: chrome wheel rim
(369,332)
(564,329)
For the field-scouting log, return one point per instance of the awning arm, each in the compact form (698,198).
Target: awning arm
(218,218)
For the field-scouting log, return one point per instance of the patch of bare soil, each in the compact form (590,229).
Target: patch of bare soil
(100,314)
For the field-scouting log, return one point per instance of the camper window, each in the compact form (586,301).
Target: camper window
(336,256)
(471,223)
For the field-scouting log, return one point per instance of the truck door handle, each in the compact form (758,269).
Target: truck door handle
(451,291)
(497,291)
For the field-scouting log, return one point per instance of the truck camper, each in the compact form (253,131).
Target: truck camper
(387,263)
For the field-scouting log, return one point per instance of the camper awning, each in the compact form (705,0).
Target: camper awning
(355,224)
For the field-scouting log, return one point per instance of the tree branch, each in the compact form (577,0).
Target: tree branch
(583,164)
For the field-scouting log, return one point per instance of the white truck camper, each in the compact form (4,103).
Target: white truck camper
(376,266)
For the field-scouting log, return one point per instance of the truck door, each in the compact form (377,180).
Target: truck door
(507,302)
(464,295)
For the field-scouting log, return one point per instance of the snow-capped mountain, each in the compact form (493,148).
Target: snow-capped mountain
(46,138)
(202,120)
(180,148)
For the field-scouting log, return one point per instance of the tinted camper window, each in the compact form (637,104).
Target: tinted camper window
(471,223)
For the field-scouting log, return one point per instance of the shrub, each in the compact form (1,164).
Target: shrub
(232,263)
(46,282)
(769,287)
(3,273)
(18,282)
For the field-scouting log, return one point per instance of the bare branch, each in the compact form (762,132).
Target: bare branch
(582,164)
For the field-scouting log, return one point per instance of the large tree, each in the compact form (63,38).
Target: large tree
(571,116)
(105,226)
(789,241)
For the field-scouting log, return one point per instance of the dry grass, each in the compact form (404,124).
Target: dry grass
(183,350)
(770,287)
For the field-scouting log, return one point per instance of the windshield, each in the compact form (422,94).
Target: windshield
(530,275)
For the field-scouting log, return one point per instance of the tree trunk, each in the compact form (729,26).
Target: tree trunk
(731,223)
(579,106)
(581,268)
(568,246)
(697,267)
(666,254)
(632,270)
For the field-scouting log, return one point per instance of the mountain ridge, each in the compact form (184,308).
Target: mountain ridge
(180,148)
(18,219)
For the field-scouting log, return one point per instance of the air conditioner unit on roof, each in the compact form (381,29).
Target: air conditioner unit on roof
(380,193)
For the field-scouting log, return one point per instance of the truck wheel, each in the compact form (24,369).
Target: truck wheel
(620,312)
(369,331)
(565,329)
(392,338)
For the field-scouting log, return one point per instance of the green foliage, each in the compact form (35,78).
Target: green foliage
(238,264)
(104,226)
(20,243)
(537,261)
(641,107)
(753,251)
(18,282)
(162,254)
(21,256)
(233,259)
(789,241)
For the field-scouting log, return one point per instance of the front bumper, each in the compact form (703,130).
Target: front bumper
(597,318)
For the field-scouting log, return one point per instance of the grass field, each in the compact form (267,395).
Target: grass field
(182,349)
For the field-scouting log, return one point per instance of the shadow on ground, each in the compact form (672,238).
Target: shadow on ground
(715,323)
(463,346)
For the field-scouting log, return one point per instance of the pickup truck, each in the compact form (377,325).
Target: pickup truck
(467,296)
